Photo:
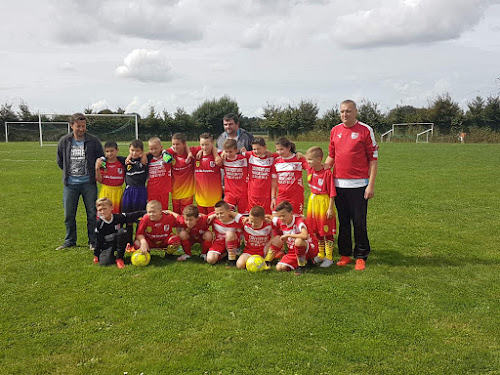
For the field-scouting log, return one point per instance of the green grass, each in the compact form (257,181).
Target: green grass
(428,302)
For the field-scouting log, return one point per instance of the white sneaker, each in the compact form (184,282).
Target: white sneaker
(204,256)
(318,260)
(326,263)
(183,257)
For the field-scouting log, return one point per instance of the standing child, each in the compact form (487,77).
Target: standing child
(208,188)
(183,184)
(160,173)
(235,177)
(258,232)
(192,228)
(301,245)
(320,207)
(155,230)
(227,226)
(110,172)
(261,175)
(135,196)
(289,170)
(111,236)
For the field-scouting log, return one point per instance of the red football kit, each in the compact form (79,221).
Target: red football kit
(295,227)
(195,233)
(113,174)
(221,229)
(346,146)
(159,180)
(208,182)
(322,189)
(290,185)
(257,239)
(236,183)
(260,173)
(158,233)
(183,184)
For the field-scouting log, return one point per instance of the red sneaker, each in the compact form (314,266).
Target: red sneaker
(119,263)
(96,260)
(360,265)
(129,248)
(344,261)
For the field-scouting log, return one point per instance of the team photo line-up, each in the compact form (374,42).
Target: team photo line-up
(243,192)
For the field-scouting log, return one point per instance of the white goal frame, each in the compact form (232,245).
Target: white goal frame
(40,123)
(134,115)
(428,131)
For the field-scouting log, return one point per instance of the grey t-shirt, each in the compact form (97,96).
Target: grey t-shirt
(78,170)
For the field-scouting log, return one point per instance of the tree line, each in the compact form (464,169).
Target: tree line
(295,120)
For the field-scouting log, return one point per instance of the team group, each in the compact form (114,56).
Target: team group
(247,193)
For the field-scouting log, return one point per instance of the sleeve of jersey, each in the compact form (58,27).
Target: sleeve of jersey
(331,146)
(371,146)
(141,229)
(276,222)
(121,159)
(273,172)
(330,184)
(133,216)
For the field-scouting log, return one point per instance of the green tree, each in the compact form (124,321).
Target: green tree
(24,113)
(446,114)
(329,119)
(492,112)
(209,114)
(370,113)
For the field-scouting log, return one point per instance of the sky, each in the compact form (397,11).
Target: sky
(66,55)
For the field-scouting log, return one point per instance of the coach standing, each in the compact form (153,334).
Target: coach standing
(76,156)
(232,130)
(353,153)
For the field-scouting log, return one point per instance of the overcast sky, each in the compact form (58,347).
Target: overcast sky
(66,55)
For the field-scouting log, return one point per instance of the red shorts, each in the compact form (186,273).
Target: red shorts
(250,251)
(172,239)
(178,205)
(297,203)
(162,198)
(290,259)
(241,202)
(218,246)
(260,201)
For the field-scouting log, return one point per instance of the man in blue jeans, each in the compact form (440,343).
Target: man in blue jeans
(76,156)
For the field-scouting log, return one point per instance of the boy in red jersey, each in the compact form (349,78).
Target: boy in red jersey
(110,172)
(320,207)
(258,232)
(208,186)
(227,226)
(183,183)
(160,173)
(192,228)
(302,246)
(289,169)
(235,177)
(261,175)
(155,230)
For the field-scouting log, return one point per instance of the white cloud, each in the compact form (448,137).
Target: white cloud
(99,105)
(145,66)
(255,36)
(411,21)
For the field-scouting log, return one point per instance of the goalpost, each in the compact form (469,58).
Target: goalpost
(35,130)
(109,128)
(391,133)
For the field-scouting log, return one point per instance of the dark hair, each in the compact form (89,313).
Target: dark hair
(257,211)
(232,116)
(180,137)
(230,143)
(285,142)
(137,143)
(285,205)
(222,204)
(111,144)
(206,136)
(259,141)
(191,211)
(77,117)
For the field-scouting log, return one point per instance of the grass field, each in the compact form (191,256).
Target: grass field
(428,302)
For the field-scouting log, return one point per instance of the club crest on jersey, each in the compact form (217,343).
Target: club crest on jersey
(173,161)
(212,164)
(129,167)
(354,135)
(320,181)
(120,170)
(197,163)
(149,229)
(309,177)
(325,228)
(166,228)
(339,135)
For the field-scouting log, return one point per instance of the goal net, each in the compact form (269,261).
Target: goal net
(107,127)
(35,131)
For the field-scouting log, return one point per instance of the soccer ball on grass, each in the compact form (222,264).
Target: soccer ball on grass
(140,259)
(256,264)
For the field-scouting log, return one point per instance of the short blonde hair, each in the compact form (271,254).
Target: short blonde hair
(155,140)
(103,202)
(154,204)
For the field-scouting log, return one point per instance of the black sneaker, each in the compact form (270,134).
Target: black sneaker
(300,270)
(231,263)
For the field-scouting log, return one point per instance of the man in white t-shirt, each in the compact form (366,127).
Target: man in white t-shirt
(353,153)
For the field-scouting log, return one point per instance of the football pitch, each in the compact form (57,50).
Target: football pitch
(427,303)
